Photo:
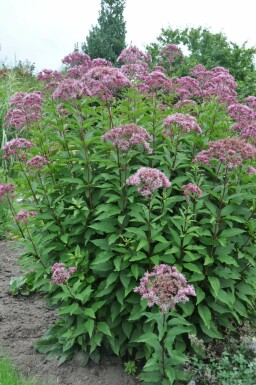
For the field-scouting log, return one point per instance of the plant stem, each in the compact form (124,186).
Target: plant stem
(163,346)
(34,247)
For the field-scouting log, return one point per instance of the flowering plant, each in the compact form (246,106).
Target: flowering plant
(126,174)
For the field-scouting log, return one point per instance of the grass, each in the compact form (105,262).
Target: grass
(10,376)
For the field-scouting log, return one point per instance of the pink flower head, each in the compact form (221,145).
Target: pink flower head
(251,102)
(171,52)
(6,189)
(60,274)
(164,287)
(105,81)
(148,179)
(25,108)
(17,148)
(132,55)
(134,71)
(191,190)
(127,136)
(184,122)
(70,89)
(23,216)
(230,152)
(251,170)
(76,58)
(245,118)
(37,162)
(153,81)
(49,76)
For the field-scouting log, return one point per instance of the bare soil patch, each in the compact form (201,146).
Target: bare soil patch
(23,320)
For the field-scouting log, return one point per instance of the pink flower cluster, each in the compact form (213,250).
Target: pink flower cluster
(133,55)
(70,89)
(251,170)
(76,58)
(170,53)
(17,148)
(127,136)
(26,107)
(37,162)
(251,102)
(184,122)
(191,190)
(164,287)
(148,179)
(6,189)
(60,274)
(230,152)
(153,81)
(245,118)
(105,81)
(207,84)
(23,216)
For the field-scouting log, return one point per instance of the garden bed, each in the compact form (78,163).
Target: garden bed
(23,321)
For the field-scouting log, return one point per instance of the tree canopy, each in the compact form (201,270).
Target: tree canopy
(211,50)
(107,38)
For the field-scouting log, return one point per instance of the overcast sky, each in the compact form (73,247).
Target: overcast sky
(44,31)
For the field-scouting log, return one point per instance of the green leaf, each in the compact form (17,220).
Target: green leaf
(69,309)
(89,326)
(170,373)
(135,270)
(151,340)
(192,267)
(228,233)
(228,260)
(89,312)
(200,295)
(104,328)
(215,284)
(205,314)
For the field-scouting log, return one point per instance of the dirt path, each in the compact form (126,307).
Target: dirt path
(23,320)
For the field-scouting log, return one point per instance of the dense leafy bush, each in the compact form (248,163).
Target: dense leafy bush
(122,170)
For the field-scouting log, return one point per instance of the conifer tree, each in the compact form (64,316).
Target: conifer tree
(107,38)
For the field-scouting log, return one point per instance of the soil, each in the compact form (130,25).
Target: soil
(23,321)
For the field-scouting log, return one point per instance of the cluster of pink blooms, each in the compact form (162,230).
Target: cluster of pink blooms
(251,170)
(230,152)
(245,119)
(49,75)
(6,189)
(76,58)
(191,190)
(133,55)
(17,148)
(70,89)
(184,122)
(135,62)
(129,135)
(23,216)
(251,102)
(216,83)
(170,53)
(25,108)
(60,274)
(105,81)
(148,179)
(164,287)
(153,81)
(37,162)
